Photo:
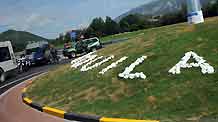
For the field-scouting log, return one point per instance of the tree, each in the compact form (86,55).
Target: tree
(134,22)
(67,37)
(111,27)
(216,4)
(97,25)
(61,37)
(89,32)
(211,9)
(124,25)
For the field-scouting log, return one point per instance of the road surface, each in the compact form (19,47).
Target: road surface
(12,108)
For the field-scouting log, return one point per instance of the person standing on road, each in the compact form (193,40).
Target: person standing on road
(53,53)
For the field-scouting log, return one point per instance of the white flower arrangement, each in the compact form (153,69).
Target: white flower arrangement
(127,72)
(113,65)
(205,67)
(88,59)
(82,60)
(85,68)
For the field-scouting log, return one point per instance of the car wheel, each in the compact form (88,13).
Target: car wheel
(73,54)
(2,76)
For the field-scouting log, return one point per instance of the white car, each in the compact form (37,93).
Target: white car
(7,60)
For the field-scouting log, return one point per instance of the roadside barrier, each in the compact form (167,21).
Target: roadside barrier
(72,116)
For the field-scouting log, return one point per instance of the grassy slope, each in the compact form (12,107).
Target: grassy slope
(161,96)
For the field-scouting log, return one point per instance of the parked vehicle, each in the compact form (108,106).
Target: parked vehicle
(38,53)
(84,46)
(7,60)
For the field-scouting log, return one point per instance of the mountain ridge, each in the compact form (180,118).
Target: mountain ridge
(19,39)
(158,7)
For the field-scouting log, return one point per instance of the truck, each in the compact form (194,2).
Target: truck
(37,52)
(8,64)
(83,46)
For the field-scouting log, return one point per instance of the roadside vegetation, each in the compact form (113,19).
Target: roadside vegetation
(165,97)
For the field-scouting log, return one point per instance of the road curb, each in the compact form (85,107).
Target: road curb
(72,116)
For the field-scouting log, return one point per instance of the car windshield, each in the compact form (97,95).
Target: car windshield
(89,41)
(30,51)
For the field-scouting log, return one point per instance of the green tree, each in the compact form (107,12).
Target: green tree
(89,32)
(211,9)
(124,25)
(111,27)
(134,22)
(97,26)
(67,37)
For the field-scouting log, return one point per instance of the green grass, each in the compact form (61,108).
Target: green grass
(169,98)
(122,35)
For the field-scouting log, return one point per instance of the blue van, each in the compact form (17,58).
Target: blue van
(38,53)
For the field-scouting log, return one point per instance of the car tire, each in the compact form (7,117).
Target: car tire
(2,76)
(73,55)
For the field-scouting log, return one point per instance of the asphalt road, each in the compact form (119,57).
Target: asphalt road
(18,78)
(12,109)
(114,41)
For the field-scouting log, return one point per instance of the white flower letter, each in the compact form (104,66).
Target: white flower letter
(85,68)
(82,60)
(113,65)
(127,72)
(205,67)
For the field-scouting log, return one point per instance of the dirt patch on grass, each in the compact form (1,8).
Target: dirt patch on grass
(189,28)
(211,19)
(53,103)
(152,100)
(200,45)
(215,50)
(121,90)
(88,94)
(149,43)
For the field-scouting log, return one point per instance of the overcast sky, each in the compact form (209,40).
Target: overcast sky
(48,18)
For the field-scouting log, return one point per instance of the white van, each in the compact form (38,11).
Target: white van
(7,60)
